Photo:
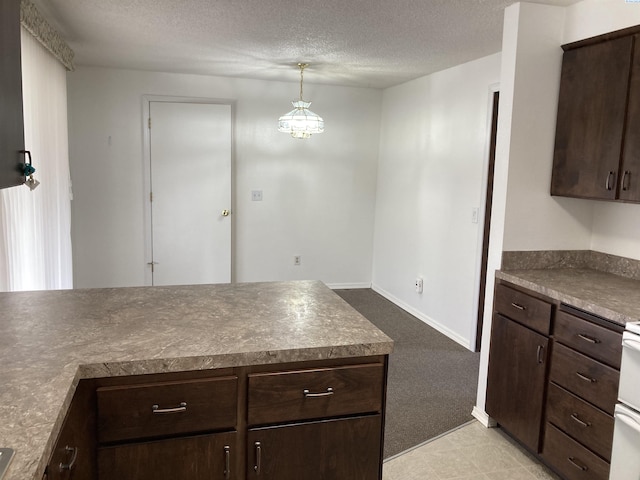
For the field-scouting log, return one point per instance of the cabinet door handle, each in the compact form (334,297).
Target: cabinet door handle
(308,394)
(573,462)
(587,338)
(575,418)
(626,183)
(182,408)
(258,464)
(74,456)
(518,306)
(585,378)
(608,183)
(539,353)
(227,462)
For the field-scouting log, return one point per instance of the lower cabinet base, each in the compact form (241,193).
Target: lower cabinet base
(570,459)
(203,457)
(325,450)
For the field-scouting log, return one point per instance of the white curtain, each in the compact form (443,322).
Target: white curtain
(35,226)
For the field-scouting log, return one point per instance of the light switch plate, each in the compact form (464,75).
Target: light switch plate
(256,195)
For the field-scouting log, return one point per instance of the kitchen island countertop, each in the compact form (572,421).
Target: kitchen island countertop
(50,340)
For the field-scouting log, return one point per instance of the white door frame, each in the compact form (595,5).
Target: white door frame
(146,164)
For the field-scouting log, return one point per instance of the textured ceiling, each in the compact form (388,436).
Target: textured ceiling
(370,43)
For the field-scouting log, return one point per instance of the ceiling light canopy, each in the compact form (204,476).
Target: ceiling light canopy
(301,122)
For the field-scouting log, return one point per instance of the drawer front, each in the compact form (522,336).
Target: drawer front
(598,342)
(570,459)
(167,408)
(588,425)
(585,377)
(527,310)
(318,393)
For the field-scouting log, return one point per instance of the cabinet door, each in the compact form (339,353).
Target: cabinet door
(73,456)
(630,173)
(11,120)
(326,450)
(591,116)
(205,457)
(516,379)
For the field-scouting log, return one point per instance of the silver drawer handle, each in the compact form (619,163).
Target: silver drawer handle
(587,338)
(258,465)
(577,465)
(308,394)
(72,462)
(607,184)
(625,183)
(539,354)
(585,378)
(574,417)
(227,462)
(519,307)
(158,410)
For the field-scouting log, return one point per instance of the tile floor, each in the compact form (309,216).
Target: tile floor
(471,452)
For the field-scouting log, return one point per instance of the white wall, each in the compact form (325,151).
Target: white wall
(318,194)
(433,152)
(530,80)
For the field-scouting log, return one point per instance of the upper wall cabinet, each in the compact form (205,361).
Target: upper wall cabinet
(11,119)
(597,149)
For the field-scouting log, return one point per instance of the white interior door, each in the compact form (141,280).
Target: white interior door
(190,168)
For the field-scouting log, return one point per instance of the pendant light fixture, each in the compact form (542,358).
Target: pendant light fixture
(301,122)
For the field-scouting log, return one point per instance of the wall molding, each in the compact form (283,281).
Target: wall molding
(483,418)
(33,21)
(426,319)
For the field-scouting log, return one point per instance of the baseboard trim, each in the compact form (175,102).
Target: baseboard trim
(483,418)
(421,316)
(345,286)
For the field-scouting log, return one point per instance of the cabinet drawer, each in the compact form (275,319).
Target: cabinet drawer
(582,421)
(306,394)
(529,311)
(570,459)
(167,408)
(598,342)
(585,377)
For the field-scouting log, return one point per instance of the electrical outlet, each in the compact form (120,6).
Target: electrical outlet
(296,260)
(419,285)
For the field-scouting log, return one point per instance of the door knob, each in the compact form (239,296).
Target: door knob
(225,213)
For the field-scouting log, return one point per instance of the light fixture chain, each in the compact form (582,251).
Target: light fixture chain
(302,66)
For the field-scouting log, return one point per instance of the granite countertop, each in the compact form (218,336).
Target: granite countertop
(614,297)
(50,340)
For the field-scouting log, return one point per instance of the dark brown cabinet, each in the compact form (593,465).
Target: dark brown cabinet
(317,423)
(205,457)
(594,156)
(11,117)
(629,185)
(516,381)
(324,450)
(73,454)
(317,420)
(583,389)
(553,380)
